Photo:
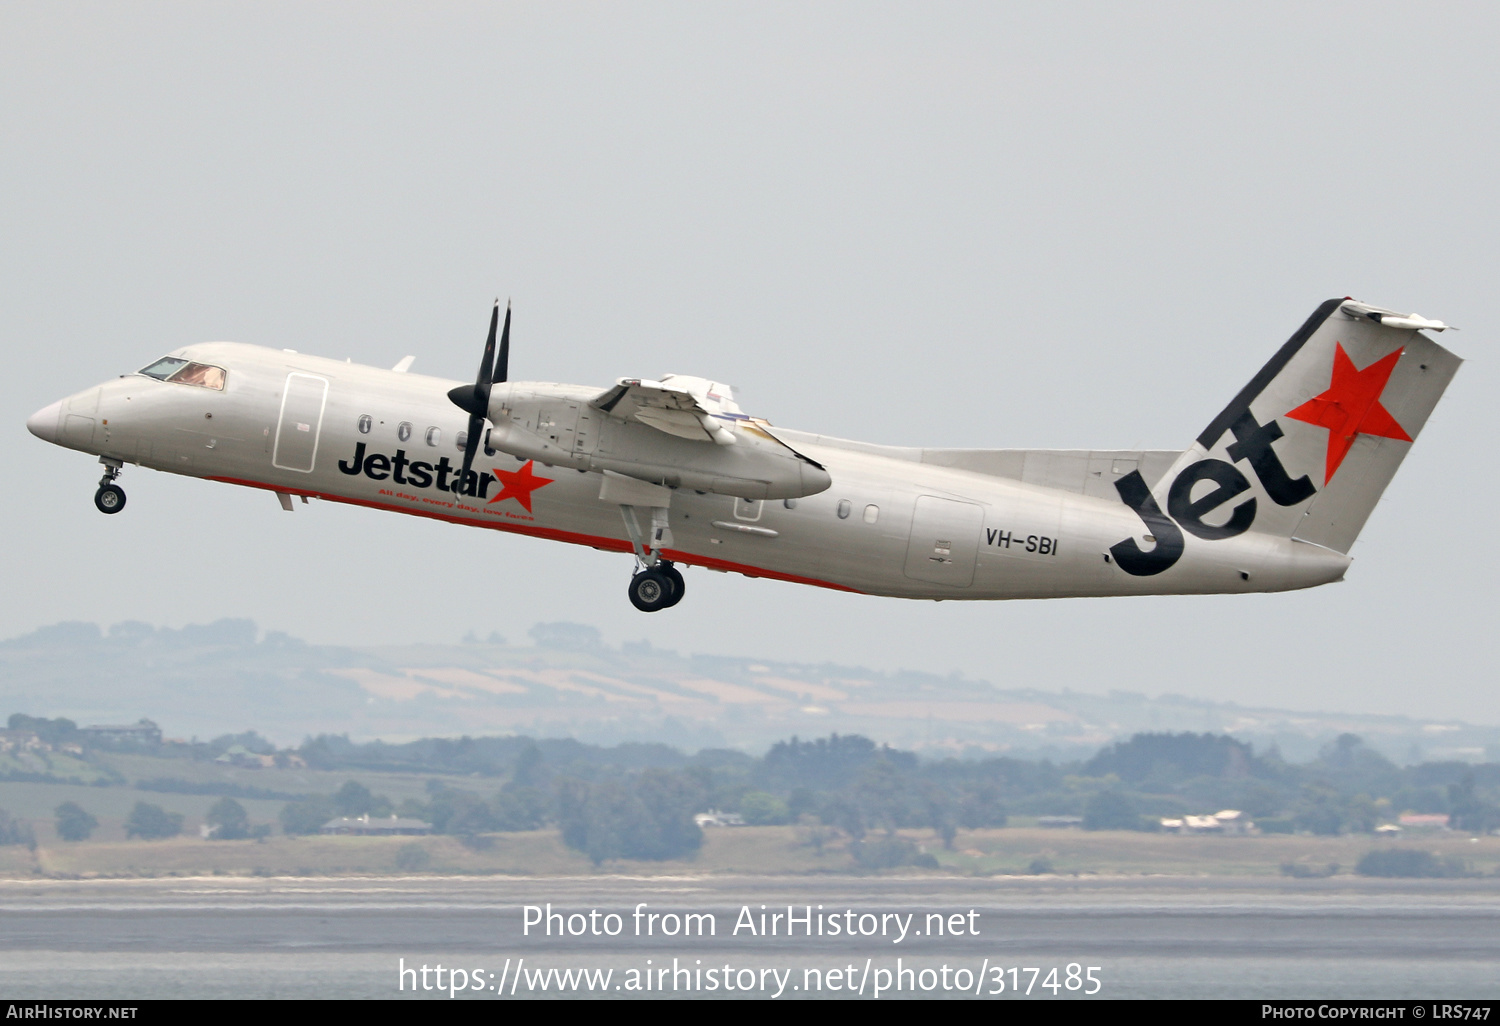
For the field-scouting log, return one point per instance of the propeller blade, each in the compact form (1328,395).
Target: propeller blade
(471,446)
(487,363)
(475,399)
(502,364)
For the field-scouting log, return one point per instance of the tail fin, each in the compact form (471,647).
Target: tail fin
(1321,430)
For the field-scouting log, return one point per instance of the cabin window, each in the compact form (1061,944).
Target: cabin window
(403,430)
(434,435)
(461,439)
(364,424)
(789,503)
(844,508)
(185,372)
(872,513)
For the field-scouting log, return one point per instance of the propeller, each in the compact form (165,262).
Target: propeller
(475,399)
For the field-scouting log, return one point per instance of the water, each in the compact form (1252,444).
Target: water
(1149,937)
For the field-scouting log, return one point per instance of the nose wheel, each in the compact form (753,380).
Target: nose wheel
(110,498)
(657,587)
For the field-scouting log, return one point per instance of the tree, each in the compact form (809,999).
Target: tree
(889,852)
(1469,811)
(648,818)
(939,813)
(355,799)
(1110,810)
(1320,810)
(981,807)
(306,816)
(228,820)
(826,763)
(519,808)
(1170,758)
(762,809)
(51,731)
(529,771)
(73,823)
(15,831)
(152,822)
(452,811)
(1409,862)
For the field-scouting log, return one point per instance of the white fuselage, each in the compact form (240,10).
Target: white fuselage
(890,524)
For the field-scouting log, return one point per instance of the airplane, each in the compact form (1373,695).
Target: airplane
(1270,496)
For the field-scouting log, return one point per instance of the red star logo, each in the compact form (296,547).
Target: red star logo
(1351,406)
(518,484)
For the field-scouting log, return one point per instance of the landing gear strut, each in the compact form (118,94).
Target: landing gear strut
(110,498)
(657,584)
(657,587)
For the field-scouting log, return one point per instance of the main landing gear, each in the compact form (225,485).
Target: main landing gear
(657,587)
(110,498)
(657,584)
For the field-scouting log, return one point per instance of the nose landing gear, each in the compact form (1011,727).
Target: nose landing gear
(110,498)
(657,587)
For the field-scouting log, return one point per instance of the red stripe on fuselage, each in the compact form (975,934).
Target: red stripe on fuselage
(550,534)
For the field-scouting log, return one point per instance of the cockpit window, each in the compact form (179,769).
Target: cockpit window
(164,368)
(185,372)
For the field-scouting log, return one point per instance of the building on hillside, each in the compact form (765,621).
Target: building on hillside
(143,733)
(368,826)
(1234,822)
(1231,822)
(22,741)
(1422,821)
(239,755)
(715,818)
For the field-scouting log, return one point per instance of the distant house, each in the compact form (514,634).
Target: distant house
(365,826)
(1422,821)
(239,755)
(143,733)
(22,741)
(715,818)
(1387,830)
(1225,821)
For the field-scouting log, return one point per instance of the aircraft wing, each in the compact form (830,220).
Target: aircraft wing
(691,408)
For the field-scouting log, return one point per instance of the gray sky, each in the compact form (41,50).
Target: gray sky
(944,224)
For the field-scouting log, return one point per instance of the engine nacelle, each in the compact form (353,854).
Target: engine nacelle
(555,425)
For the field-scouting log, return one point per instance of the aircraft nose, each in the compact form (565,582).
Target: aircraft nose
(43,423)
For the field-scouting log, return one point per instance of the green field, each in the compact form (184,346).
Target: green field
(747,850)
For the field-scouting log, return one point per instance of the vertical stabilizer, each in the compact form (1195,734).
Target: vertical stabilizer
(1316,436)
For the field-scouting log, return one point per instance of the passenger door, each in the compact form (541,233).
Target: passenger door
(300,423)
(944,541)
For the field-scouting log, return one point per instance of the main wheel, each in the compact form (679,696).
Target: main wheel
(109,498)
(651,590)
(678,585)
